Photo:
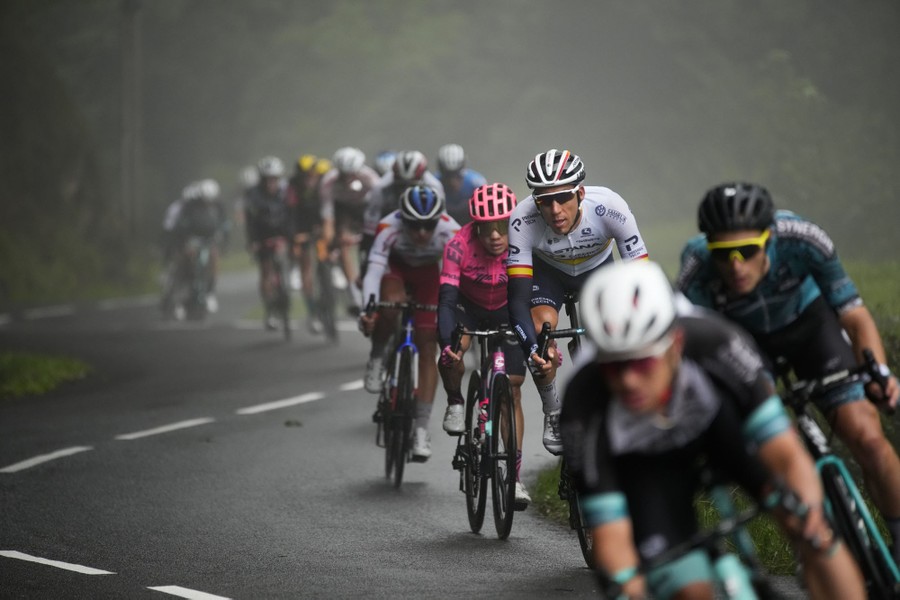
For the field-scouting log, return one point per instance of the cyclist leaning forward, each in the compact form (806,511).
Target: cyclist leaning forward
(267,220)
(342,192)
(558,235)
(669,385)
(473,292)
(405,262)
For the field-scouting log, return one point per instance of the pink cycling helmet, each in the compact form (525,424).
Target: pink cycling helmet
(492,202)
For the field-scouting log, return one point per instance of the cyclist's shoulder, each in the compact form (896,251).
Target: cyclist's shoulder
(473,178)
(525,214)
(792,230)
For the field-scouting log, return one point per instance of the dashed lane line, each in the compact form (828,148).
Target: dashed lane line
(54,563)
(44,312)
(136,302)
(165,428)
(352,385)
(182,592)
(252,410)
(27,464)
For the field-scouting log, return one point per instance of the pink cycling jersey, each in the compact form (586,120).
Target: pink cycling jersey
(480,276)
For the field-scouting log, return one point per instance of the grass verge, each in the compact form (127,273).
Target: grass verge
(24,374)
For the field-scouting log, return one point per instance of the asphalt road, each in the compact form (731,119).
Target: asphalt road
(217,460)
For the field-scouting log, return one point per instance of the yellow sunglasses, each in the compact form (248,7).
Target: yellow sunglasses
(743,249)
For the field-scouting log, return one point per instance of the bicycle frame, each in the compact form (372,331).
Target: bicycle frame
(798,396)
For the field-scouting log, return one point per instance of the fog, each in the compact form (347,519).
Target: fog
(661,100)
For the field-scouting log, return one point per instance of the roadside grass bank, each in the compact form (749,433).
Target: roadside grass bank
(25,374)
(879,285)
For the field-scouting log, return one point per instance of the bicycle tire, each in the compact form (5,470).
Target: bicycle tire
(503,455)
(403,414)
(852,528)
(568,493)
(387,433)
(327,300)
(475,486)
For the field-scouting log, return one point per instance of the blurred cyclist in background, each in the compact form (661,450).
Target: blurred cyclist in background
(405,264)
(384,161)
(302,196)
(267,221)
(410,167)
(459,181)
(343,191)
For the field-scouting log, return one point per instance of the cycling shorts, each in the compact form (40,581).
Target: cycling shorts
(422,284)
(348,217)
(473,316)
(815,345)
(549,285)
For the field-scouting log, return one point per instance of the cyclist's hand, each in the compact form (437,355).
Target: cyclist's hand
(539,367)
(449,357)
(367,323)
(886,398)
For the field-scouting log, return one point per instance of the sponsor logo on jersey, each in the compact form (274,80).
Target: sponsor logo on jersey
(600,210)
(806,231)
(587,231)
(616,216)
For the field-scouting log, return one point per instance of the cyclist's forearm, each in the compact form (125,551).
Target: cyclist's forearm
(863,333)
(519,300)
(448,296)
(787,459)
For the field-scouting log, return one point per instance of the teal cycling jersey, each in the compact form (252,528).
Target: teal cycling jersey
(803,265)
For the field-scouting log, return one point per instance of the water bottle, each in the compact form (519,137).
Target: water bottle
(734,577)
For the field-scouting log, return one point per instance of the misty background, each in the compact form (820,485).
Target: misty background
(110,107)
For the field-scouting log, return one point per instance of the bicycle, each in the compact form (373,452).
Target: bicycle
(279,301)
(848,510)
(737,573)
(327,299)
(567,490)
(397,400)
(488,448)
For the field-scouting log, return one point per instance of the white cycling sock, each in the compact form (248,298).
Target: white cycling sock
(423,414)
(549,397)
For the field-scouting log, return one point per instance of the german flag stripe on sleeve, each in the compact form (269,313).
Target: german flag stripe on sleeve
(520,271)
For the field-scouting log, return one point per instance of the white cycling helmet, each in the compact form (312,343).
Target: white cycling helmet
(451,158)
(348,160)
(270,166)
(191,191)
(409,165)
(209,189)
(249,177)
(628,310)
(554,167)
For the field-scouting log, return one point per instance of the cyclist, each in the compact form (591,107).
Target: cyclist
(558,235)
(663,387)
(343,192)
(405,258)
(302,196)
(779,277)
(410,167)
(459,182)
(473,292)
(267,220)
(384,161)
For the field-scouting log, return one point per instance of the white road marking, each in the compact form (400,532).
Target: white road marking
(165,428)
(54,563)
(27,464)
(50,311)
(352,385)
(182,592)
(252,410)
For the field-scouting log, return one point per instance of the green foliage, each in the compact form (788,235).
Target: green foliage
(23,374)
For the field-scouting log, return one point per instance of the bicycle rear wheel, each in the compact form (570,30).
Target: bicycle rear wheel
(475,486)
(880,581)
(503,455)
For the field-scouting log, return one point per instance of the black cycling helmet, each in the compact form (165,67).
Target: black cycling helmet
(735,206)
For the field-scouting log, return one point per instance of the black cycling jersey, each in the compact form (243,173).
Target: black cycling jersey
(722,406)
(266,216)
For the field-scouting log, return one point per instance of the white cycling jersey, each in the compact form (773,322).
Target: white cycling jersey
(392,241)
(605,217)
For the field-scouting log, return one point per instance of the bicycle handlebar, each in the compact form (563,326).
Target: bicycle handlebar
(372,306)
(800,392)
(460,331)
(548,334)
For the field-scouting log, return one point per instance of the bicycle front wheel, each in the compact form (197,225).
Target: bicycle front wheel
(503,454)
(403,415)
(880,581)
(576,514)
(475,486)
